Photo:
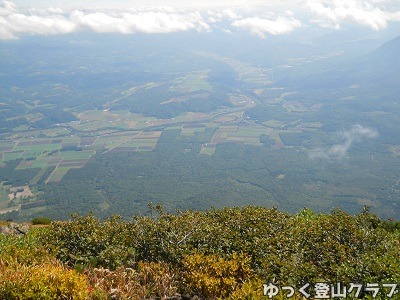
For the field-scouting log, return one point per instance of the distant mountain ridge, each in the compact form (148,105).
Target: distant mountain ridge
(379,68)
(388,53)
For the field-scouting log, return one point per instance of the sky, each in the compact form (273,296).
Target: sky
(261,18)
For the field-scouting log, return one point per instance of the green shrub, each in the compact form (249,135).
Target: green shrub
(277,247)
(41,221)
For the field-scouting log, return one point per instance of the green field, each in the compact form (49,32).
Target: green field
(73,155)
(192,83)
(3,194)
(207,149)
(7,156)
(187,130)
(58,174)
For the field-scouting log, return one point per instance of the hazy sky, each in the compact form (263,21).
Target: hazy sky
(135,3)
(258,17)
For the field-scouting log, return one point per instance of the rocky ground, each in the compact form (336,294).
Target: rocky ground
(12,228)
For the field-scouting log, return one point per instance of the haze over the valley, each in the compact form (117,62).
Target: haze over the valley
(108,106)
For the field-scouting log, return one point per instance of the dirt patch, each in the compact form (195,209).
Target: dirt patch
(20,192)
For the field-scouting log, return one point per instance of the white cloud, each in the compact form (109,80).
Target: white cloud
(356,134)
(7,8)
(145,22)
(260,17)
(14,23)
(55,10)
(261,26)
(373,14)
(40,25)
(225,14)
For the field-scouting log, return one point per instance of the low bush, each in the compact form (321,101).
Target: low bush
(41,221)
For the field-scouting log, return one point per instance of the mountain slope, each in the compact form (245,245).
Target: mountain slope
(378,69)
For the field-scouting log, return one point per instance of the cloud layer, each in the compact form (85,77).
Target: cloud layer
(14,23)
(261,26)
(373,14)
(356,134)
(279,17)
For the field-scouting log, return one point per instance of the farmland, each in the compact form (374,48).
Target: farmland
(118,129)
(52,153)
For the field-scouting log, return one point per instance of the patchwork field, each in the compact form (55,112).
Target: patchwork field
(193,82)
(58,174)
(191,129)
(203,96)
(69,152)
(239,134)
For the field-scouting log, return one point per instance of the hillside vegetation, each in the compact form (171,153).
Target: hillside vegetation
(217,254)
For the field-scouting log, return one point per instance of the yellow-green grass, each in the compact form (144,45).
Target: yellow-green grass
(7,144)
(53,132)
(99,124)
(133,117)
(203,96)
(78,163)
(31,118)
(74,155)
(38,175)
(207,149)
(91,115)
(110,141)
(31,164)
(193,82)
(274,123)
(246,140)
(240,100)
(33,148)
(21,128)
(71,140)
(87,141)
(58,174)
(140,143)
(144,149)
(36,151)
(295,106)
(3,194)
(121,149)
(54,163)
(31,153)
(248,132)
(148,134)
(229,128)
(312,125)
(395,150)
(7,156)
(274,134)
(191,130)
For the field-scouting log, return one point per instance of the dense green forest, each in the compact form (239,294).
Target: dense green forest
(176,175)
(216,254)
